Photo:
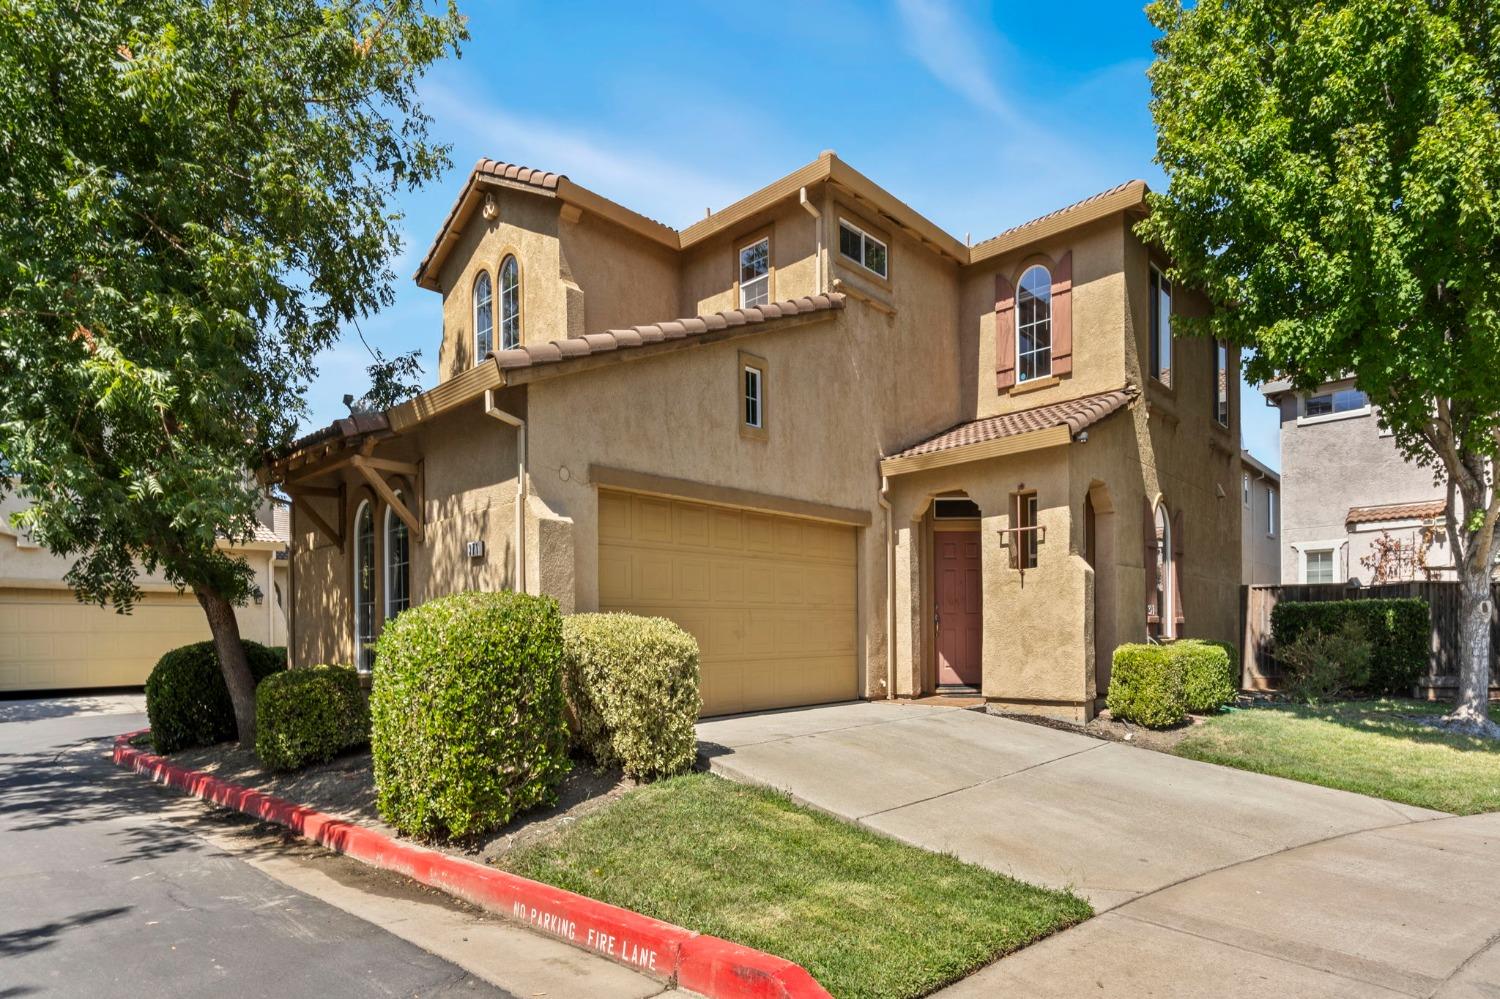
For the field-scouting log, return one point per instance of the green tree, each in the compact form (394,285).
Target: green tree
(1334,185)
(195,196)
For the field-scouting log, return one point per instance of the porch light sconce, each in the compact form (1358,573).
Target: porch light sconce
(258,596)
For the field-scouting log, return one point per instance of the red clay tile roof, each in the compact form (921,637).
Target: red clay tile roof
(1075,414)
(543,180)
(1053,214)
(1396,511)
(349,430)
(678,329)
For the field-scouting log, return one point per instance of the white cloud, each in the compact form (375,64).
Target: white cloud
(942,41)
(642,179)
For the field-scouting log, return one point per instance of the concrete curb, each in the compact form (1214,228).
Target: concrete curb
(699,963)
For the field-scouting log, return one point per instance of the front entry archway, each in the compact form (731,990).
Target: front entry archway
(958,596)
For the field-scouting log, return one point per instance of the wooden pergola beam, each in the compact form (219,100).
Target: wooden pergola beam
(301,498)
(367,469)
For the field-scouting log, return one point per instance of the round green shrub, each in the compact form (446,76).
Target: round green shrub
(1145,686)
(1210,673)
(632,686)
(309,715)
(186,698)
(467,717)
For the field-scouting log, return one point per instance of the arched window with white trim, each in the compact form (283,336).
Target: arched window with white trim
(1166,590)
(364,587)
(1034,324)
(397,563)
(484,317)
(510,304)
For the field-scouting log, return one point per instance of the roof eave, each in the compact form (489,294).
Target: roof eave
(1131,196)
(1032,440)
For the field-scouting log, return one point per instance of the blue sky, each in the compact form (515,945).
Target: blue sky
(978,116)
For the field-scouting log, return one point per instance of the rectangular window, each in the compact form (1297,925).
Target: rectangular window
(1347,400)
(1161,327)
(862,248)
(1245,489)
(754,405)
(1221,383)
(1024,541)
(1319,566)
(755,274)
(1270,513)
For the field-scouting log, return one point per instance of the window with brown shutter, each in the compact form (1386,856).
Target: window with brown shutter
(1005,333)
(1062,315)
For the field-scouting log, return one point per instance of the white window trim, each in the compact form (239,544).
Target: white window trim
(1273,509)
(474,312)
(1335,545)
(873,239)
(1153,357)
(498,308)
(359,645)
(1303,420)
(390,515)
(1019,355)
(760,397)
(1247,489)
(765,278)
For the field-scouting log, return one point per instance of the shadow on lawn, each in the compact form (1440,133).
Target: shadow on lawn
(1407,720)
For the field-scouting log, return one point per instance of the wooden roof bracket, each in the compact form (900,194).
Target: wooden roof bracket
(303,499)
(367,468)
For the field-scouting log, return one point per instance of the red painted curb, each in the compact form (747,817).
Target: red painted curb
(704,964)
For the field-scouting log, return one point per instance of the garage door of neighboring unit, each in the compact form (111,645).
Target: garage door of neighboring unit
(49,641)
(769,598)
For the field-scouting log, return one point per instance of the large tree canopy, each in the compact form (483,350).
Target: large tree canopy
(1334,185)
(195,197)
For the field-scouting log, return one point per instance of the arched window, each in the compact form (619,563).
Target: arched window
(1165,590)
(397,563)
(510,304)
(364,587)
(1034,324)
(484,317)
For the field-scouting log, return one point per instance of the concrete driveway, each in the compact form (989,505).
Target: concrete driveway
(1210,880)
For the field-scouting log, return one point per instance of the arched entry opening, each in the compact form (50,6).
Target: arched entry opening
(957,593)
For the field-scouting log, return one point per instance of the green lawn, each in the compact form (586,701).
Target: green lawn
(1372,747)
(867,916)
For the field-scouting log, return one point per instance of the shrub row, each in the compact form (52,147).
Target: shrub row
(1399,632)
(187,700)
(1157,685)
(309,715)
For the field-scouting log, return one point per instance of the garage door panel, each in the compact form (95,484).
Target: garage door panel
(50,641)
(770,599)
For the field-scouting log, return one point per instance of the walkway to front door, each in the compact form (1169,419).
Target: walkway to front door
(959,620)
(1211,881)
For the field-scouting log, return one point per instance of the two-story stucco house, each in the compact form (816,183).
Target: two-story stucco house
(870,461)
(1346,485)
(1260,528)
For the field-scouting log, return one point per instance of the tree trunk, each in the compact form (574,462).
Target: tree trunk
(232,660)
(1471,712)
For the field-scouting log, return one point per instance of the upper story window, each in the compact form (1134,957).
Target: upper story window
(1245,489)
(397,563)
(1034,325)
(1346,400)
(1270,513)
(1161,327)
(1221,383)
(755,273)
(510,304)
(484,317)
(862,248)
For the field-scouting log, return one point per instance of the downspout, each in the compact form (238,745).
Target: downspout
(890,588)
(491,409)
(812,210)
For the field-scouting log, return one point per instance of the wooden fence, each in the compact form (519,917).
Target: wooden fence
(1263,672)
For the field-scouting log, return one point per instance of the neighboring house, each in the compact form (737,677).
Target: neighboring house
(1260,534)
(1348,487)
(875,460)
(50,641)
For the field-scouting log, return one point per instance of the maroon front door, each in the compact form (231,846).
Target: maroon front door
(959,618)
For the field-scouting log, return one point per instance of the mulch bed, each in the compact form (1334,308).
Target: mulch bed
(345,787)
(1107,728)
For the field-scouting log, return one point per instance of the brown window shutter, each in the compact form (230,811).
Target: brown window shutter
(1153,615)
(1005,333)
(1177,549)
(1062,315)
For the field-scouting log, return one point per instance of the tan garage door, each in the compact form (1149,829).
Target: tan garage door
(49,641)
(769,598)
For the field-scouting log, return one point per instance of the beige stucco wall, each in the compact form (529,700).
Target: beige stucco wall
(1260,542)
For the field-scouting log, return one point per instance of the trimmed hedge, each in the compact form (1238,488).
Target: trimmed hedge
(1210,673)
(1145,687)
(187,700)
(632,686)
(1399,632)
(1157,685)
(466,705)
(309,715)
